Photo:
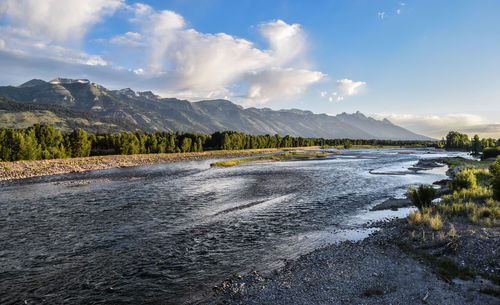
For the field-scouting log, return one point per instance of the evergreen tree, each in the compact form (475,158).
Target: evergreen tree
(476,145)
(78,144)
(186,144)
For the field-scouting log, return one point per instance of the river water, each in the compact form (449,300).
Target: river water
(167,233)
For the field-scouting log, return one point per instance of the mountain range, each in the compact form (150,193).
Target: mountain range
(71,103)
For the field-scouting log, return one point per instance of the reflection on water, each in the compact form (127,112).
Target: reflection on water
(167,233)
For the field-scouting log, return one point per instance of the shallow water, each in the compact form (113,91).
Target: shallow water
(168,233)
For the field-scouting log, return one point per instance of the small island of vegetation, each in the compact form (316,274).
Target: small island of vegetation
(292,155)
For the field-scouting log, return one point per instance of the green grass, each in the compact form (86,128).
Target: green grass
(466,163)
(276,157)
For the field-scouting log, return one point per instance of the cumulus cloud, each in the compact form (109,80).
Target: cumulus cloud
(344,88)
(287,41)
(17,43)
(57,20)
(438,125)
(276,82)
(48,28)
(349,87)
(381,15)
(169,55)
(192,61)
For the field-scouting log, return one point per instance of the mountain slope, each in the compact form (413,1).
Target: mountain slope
(145,110)
(22,115)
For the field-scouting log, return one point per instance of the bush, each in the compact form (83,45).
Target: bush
(422,197)
(464,180)
(491,152)
(477,195)
(495,180)
(435,222)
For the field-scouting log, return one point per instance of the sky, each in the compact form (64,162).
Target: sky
(430,66)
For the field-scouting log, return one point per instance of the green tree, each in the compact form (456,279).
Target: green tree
(186,144)
(128,144)
(476,145)
(456,140)
(78,144)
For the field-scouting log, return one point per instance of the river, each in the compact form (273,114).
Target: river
(167,233)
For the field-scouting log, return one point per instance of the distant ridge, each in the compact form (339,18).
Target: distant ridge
(147,111)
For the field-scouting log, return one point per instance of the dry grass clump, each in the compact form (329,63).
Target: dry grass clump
(426,217)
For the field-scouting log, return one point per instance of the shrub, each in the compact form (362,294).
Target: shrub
(452,232)
(478,194)
(491,152)
(495,180)
(435,222)
(415,217)
(486,216)
(422,197)
(464,180)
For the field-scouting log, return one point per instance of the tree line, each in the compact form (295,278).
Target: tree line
(488,146)
(42,141)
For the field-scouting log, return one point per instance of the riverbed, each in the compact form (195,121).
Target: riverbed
(168,233)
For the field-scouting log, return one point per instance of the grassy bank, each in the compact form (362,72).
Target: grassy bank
(458,236)
(277,157)
(27,169)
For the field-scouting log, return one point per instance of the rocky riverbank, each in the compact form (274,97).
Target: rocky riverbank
(27,169)
(376,270)
(401,263)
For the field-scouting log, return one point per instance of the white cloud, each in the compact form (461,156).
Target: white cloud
(438,125)
(58,20)
(206,64)
(38,28)
(2,44)
(381,15)
(345,87)
(276,83)
(349,87)
(129,39)
(16,43)
(287,42)
(169,56)
(398,11)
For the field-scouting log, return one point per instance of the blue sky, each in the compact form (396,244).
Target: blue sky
(431,66)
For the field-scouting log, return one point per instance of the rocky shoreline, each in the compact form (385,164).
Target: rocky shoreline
(372,271)
(27,169)
(391,266)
